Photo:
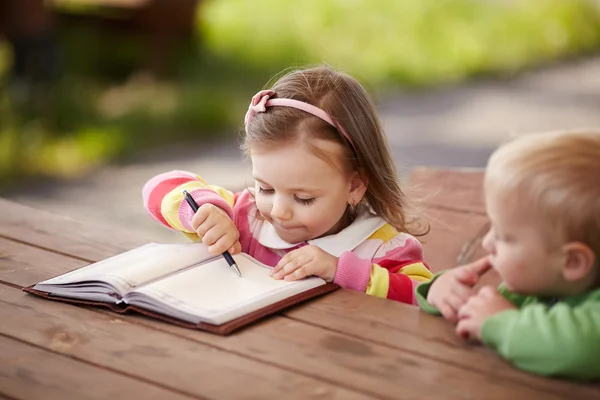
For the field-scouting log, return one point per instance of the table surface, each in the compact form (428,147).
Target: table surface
(343,345)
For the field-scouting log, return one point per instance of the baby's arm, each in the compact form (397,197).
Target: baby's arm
(562,340)
(163,199)
(393,272)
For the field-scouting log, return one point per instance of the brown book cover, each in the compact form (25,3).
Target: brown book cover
(224,329)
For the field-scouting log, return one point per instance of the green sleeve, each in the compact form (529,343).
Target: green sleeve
(421,293)
(563,340)
(517,299)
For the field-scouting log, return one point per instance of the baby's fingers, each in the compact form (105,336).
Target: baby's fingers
(463,329)
(455,302)
(448,312)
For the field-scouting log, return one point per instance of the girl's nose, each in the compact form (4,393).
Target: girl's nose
(281,210)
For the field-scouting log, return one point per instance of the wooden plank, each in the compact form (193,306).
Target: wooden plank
(114,343)
(329,316)
(290,345)
(27,372)
(406,328)
(23,265)
(456,189)
(63,234)
(447,243)
(359,361)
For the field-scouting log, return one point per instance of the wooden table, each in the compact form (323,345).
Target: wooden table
(345,345)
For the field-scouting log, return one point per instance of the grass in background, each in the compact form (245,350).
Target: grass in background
(403,42)
(103,107)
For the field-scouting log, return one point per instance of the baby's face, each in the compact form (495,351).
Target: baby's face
(518,249)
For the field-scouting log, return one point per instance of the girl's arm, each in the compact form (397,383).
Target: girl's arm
(393,273)
(164,201)
(562,340)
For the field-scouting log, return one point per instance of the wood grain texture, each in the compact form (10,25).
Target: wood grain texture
(30,373)
(185,366)
(452,234)
(344,345)
(282,343)
(406,328)
(24,265)
(455,189)
(61,234)
(290,346)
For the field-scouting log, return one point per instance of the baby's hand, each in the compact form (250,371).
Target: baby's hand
(453,288)
(306,261)
(477,309)
(216,229)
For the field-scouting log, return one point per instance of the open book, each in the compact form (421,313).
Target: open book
(182,284)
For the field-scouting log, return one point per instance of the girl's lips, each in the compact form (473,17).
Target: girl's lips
(287,228)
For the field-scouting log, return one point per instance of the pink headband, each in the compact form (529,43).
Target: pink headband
(262,100)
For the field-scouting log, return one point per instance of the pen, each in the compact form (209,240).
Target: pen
(228,258)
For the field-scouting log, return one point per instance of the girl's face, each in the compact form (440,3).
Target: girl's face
(300,194)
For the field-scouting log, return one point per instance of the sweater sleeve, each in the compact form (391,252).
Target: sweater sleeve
(164,201)
(421,292)
(562,340)
(393,273)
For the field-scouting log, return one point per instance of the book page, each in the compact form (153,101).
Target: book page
(214,293)
(136,267)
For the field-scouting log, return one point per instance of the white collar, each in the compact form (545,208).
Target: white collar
(347,239)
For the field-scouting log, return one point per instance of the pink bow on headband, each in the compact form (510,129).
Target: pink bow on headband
(258,104)
(262,100)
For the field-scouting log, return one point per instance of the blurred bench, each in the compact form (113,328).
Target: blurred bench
(456,214)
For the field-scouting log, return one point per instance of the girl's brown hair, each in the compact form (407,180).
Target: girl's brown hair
(350,106)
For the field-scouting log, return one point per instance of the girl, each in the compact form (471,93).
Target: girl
(326,199)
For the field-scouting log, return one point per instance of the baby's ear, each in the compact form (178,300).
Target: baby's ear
(579,260)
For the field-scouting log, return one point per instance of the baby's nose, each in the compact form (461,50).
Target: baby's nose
(488,242)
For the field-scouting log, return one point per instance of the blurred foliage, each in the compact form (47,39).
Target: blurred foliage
(405,42)
(103,106)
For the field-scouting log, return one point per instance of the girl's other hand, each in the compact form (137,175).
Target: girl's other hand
(306,261)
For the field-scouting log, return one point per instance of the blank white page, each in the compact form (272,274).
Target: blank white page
(214,292)
(137,266)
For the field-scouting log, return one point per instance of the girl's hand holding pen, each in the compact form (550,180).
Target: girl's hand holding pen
(216,229)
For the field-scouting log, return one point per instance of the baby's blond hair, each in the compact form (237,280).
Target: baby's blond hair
(557,176)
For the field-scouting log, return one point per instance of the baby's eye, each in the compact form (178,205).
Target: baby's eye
(306,202)
(265,191)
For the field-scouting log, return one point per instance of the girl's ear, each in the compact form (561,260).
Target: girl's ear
(579,260)
(358,188)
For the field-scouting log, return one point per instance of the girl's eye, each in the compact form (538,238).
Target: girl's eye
(265,191)
(306,202)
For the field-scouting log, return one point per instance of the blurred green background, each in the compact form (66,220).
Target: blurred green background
(109,98)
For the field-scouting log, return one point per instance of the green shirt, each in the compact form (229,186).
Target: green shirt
(560,339)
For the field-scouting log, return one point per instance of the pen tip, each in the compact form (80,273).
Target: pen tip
(237,270)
